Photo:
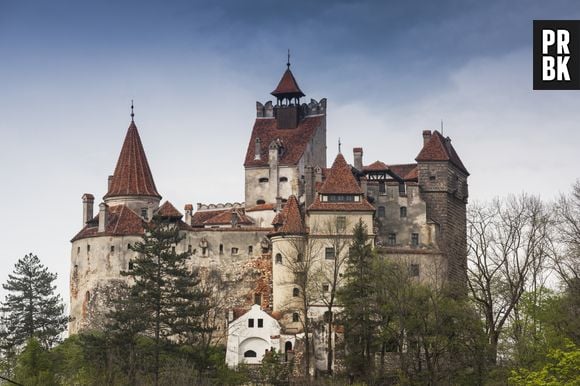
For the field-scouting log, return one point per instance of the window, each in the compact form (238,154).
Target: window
(325,288)
(194,251)
(414,270)
(415,239)
(144,213)
(78,250)
(189,248)
(278,258)
(340,223)
(250,354)
(381,186)
(258,299)
(329,253)
(381,211)
(260,202)
(88,247)
(250,249)
(283,179)
(327,316)
(341,198)
(251,323)
(221,249)
(403,211)
(263,179)
(235,251)
(128,247)
(392,239)
(295,317)
(112,248)
(432,178)
(173,250)
(130,265)
(260,323)
(402,189)
(87,296)
(299,258)
(203,251)
(295,292)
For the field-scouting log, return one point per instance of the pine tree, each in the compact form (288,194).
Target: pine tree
(32,309)
(164,289)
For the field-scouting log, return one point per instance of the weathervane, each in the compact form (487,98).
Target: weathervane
(288,62)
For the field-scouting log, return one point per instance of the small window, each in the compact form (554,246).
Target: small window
(340,223)
(260,202)
(432,178)
(329,253)
(299,258)
(221,249)
(402,189)
(251,323)
(189,248)
(130,265)
(235,251)
(88,247)
(250,249)
(173,250)
(194,251)
(295,317)
(283,179)
(144,213)
(381,187)
(78,250)
(381,211)
(414,270)
(263,179)
(260,323)
(325,288)
(112,248)
(87,296)
(327,316)
(295,292)
(415,239)
(258,299)
(392,238)
(203,251)
(250,354)
(278,258)
(403,211)
(128,247)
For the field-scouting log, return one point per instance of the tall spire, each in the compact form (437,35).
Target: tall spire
(288,87)
(132,176)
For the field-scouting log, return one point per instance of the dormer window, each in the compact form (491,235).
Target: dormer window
(144,213)
(340,198)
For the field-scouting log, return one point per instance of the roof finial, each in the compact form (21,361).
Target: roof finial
(288,62)
(339,145)
(132,113)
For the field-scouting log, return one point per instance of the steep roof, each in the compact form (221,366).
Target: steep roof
(340,179)
(289,220)
(405,171)
(287,87)
(439,148)
(132,176)
(168,210)
(121,221)
(293,141)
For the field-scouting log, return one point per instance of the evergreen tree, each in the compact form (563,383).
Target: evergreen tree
(164,290)
(31,309)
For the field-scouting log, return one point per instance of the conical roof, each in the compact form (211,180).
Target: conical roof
(340,179)
(287,87)
(439,148)
(132,176)
(289,220)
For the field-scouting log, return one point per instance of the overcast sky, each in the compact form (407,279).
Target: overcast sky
(69,69)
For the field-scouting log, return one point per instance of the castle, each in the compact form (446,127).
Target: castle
(293,204)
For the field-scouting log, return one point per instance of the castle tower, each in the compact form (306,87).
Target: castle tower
(287,138)
(442,181)
(132,182)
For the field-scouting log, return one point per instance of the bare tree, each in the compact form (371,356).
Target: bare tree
(566,254)
(508,244)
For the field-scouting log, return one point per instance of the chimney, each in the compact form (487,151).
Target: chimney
(426,136)
(258,149)
(357,155)
(109,181)
(278,204)
(308,185)
(188,212)
(273,153)
(88,201)
(102,217)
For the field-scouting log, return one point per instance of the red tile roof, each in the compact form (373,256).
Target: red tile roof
(229,217)
(439,148)
(361,206)
(294,141)
(289,220)
(132,176)
(168,210)
(376,166)
(121,221)
(199,218)
(403,170)
(287,87)
(340,179)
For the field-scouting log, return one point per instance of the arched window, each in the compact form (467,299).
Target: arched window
(295,292)
(288,346)
(250,354)
(283,179)
(87,296)
(278,258)
(260,202)
(295,317)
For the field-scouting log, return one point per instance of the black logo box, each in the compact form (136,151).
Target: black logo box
(573,27)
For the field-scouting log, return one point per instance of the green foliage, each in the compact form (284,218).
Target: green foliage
(34,366)
(561,368)
(31,309)
(274,370)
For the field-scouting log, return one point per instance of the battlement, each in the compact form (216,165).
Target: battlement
(266,110)
(227,205)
